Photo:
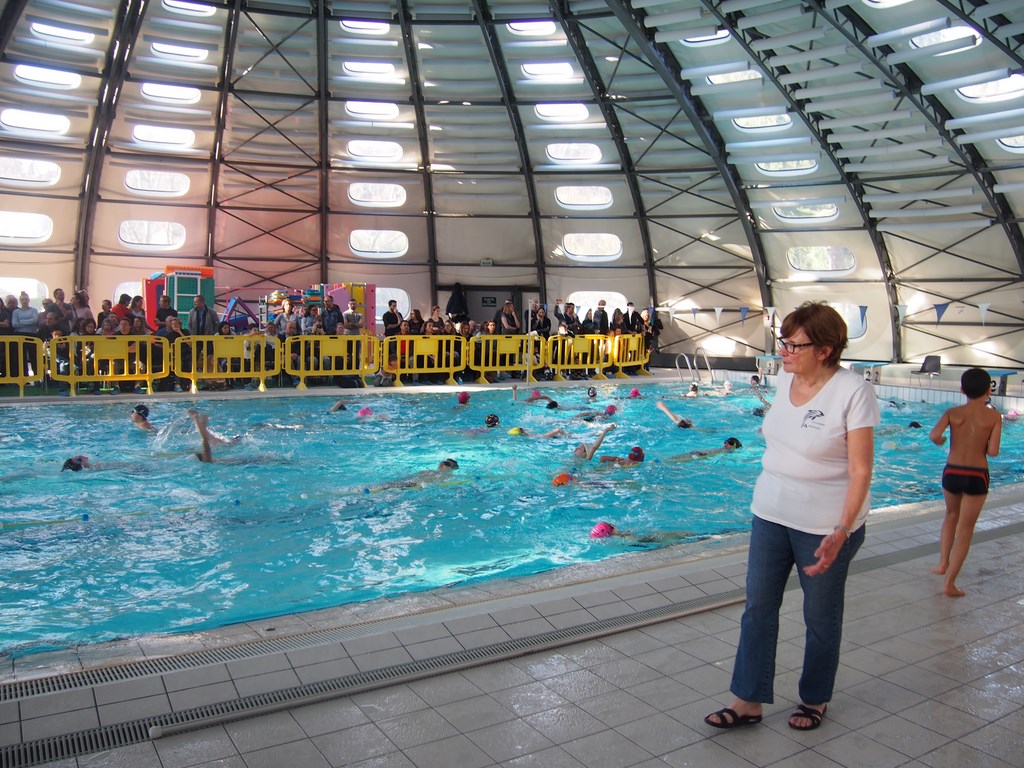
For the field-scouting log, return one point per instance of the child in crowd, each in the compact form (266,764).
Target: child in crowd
(975,430)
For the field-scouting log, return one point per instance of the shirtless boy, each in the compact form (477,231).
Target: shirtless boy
(975,430)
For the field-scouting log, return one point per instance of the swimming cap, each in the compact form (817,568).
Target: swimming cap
(634,392)
(450,463)
(535,393)
(74,464)
(591,391)
(562,479)
(636,453)
(759,411)
(610,410)
(914,425)
(602,531)
(463,398)
(694,388)
(552,404)
(364,411)
(491,420)
(516,431)
(732,442)
(142,410)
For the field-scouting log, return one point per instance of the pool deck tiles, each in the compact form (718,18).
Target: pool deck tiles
(925,680)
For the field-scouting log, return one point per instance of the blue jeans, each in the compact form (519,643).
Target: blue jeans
(774,550)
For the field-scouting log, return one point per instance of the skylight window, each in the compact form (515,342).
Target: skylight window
(378,243)
(365,27)
(705,40)
(179,52)
(23,228)
(188,9)
(734,77)
(802,211)
(143,234)
(35,122)
(369,69)
(372,110)
(562,113)
(548,70)
(1004,89)
(156,183)
(763,122)
(576,153)
(170,94)
(165,137)
(583,198)
(969,36)
(61,34)
(787,167)
(592,247)
(820,258)
(885,3)
(42,77)
(532,28)
(376,195)
(25,172)
(1012,143)
(382,151)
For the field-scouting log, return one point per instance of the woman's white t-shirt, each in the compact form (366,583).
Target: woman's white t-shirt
(805,469)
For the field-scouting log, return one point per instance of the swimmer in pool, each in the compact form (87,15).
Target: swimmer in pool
(341,405)
(604,415)
(635,456)
(584,452)
(77,464)
(420,479)
(520,432)
(730,445)
(605,530)
(679,421)
(205,454)
(534,397)
(140,417)
(694,391)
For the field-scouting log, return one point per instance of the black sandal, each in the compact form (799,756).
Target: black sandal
(808,713)
(728,718)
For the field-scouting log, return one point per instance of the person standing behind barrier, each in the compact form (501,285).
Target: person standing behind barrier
(164,310)
(810,503)
(121,309)
(6,329)
(415,322)
(601,318)
(331,316)
(392,319)
(632,322)
(25,322)
(352,325)
(975,431)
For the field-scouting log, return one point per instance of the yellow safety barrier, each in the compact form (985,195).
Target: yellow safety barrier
(330,356)
(402,355)
(505,354)
(19,353)
(217,358)
(107,359)
(576,354)
(629,351)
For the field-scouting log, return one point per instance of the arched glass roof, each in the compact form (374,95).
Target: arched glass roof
(719,161)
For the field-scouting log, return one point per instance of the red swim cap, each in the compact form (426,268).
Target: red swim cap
(602,531)
(463,398)
(636,453)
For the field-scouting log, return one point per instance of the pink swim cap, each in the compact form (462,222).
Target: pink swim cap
(536,393)
(602,531)
(634,392)
(364,411)
(610,410)
(463,398)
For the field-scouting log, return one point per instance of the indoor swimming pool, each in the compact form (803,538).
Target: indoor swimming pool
(308,508)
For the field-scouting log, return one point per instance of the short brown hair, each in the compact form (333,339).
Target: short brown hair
(823,325)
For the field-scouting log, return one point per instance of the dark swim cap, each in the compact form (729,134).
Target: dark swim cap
(732,442)
(491,420)
(142,410)
(591,391)
(74,464)
(552,404)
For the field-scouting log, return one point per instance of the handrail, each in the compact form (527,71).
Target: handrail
(707,363)
(689,366)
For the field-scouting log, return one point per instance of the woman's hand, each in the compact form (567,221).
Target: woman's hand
(827,552)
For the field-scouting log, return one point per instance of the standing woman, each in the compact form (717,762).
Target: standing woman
(810,503)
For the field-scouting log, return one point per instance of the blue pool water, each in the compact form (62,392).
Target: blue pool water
(293,516)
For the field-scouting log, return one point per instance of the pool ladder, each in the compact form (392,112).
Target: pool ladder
(694,367)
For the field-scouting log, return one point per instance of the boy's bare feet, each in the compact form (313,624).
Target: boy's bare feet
(939,569)
(952,590)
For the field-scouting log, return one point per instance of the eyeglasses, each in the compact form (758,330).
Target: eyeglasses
(791,347)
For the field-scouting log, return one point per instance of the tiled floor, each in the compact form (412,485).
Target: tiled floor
(925,680)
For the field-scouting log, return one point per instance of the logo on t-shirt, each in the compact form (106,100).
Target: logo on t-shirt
(812,420)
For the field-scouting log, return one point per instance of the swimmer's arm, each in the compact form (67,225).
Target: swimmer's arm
(337,406)
(937,435)
(515,391)
(992,449)
(597,443)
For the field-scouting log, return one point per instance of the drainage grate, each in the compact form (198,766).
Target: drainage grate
(110,737)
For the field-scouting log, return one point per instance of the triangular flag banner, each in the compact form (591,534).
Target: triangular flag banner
(940,310)
(694,311)
(983,309)
(718,315)
(743,314)
(863,313)
(901,309)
